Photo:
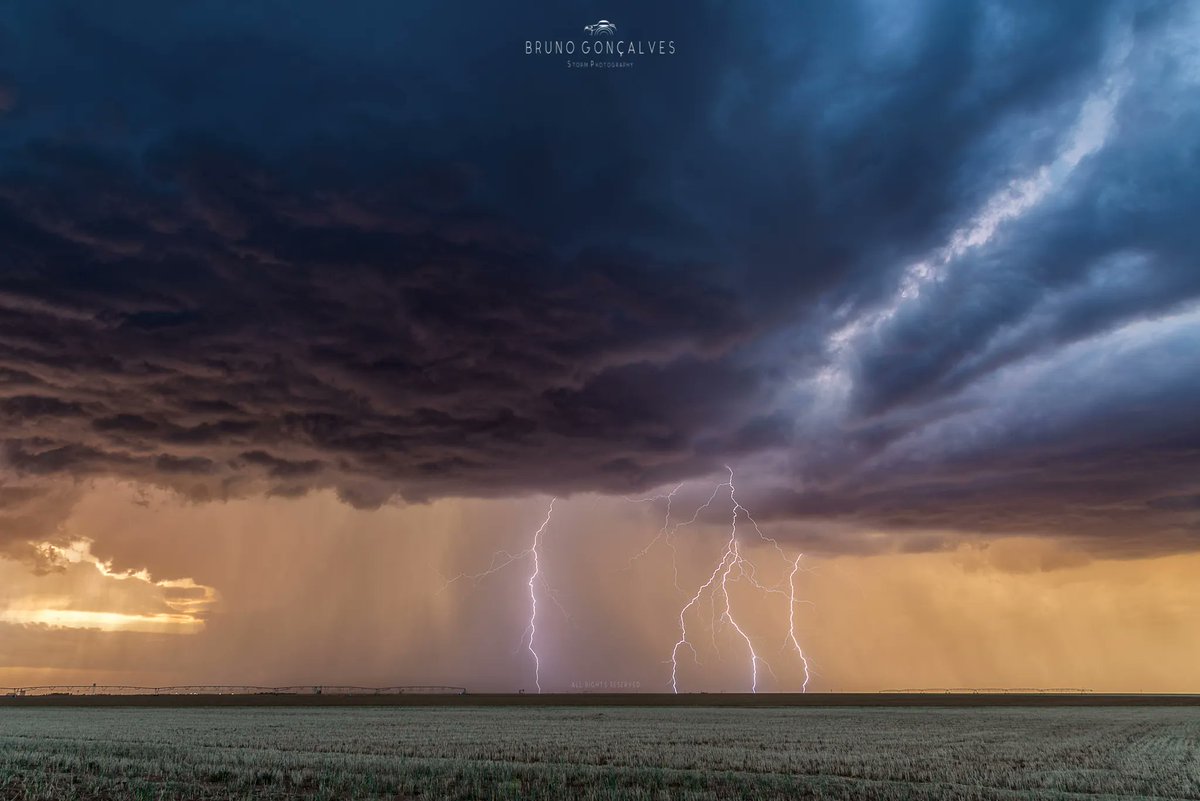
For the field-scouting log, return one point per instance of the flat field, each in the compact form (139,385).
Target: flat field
(599,753)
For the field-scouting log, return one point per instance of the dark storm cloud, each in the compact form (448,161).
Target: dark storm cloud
(388,253)
(251,330)
(1045,381)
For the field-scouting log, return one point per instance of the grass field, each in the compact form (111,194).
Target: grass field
(599,753)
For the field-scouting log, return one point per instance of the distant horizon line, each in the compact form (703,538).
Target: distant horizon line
(117,690)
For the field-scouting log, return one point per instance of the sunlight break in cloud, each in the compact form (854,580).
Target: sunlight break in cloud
(187,600)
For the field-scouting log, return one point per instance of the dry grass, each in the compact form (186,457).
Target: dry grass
(610,753)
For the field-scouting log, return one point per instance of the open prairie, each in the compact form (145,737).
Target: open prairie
(600,753)
(174,698)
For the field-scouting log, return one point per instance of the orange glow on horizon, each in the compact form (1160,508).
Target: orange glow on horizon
(162,623)
(310,590)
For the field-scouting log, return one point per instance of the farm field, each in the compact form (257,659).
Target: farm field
(599,753)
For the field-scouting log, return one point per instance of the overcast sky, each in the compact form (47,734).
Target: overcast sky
(923,274)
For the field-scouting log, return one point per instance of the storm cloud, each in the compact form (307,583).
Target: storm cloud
(936,261)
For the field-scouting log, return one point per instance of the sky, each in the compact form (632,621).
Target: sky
(825,346)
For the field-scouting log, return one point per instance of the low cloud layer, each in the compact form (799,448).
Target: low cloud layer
(915,268)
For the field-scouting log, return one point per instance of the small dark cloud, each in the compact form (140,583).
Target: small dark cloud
(18,407)
(191,465)
(282,468)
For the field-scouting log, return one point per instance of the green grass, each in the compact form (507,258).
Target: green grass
(612,753)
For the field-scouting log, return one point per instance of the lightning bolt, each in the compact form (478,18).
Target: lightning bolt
(792,620)
(531,631)
(662,532)
(732,567)
(683,640)
(667,532)
(502,559)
